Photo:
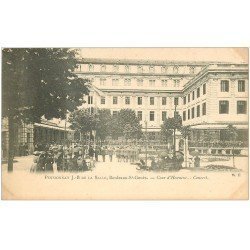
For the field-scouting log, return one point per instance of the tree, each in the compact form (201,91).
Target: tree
(83,121)
(169,126)
(185,131)
(104,124)
(126,124)
(232,135)
(36,83)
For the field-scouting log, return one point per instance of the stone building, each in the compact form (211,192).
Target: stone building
(207,95)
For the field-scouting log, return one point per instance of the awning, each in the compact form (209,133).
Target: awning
(51,127)
(218,126)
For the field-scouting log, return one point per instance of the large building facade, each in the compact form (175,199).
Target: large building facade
(207,95)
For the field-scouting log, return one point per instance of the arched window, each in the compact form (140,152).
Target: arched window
(151,69)
(91,67)
(191,70)
(127,68)
(103,68)
(176,69)
(116,68)
(140,69)
(163,69)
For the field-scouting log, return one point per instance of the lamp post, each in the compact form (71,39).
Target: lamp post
(146,127)
(175,106)
(64,143)
(94,134)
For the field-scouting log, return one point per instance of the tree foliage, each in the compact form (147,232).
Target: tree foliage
(232,135)
(232,132)
(40,82)
(126,124)
(168,127)
(83,121)
(185,132)
(103,125)
(36,83)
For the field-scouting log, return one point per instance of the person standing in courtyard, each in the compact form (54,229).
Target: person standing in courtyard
(91,152)
(103,152)
(97,152)
(110,153)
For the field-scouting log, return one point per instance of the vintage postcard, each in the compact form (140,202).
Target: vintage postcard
(124,123)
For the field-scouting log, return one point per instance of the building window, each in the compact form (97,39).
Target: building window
(193,95)
(204,108)
(152,101)
(91,110)
(163,69)
(188,97)
(188,114)
(115,68)
(127,69)
(193,113)
(115,113)
(191,70)
(127,82)
(224,86)
(90,99)
(204,89)
(139,82)
(151,69)
(91,67)
(198,111)
(115,82)
(176,101)
(224,107)
(164,101)
(140,69)
(176,83)
(139,100)
(184,115)
(164,115)
(127,100)
(241,86)
(103,68)
(176,70)
(115,100)
(139,115)
(241,107)
(198,92)
(151,83)
(164,83)
(102,81)
(79,67)
(184,100)
(152,116)
(102,100)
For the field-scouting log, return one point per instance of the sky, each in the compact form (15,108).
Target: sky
(172,54)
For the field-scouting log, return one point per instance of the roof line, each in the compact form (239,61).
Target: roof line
(148,62)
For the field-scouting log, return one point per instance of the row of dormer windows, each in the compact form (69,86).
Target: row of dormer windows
(140,69)
(140,82)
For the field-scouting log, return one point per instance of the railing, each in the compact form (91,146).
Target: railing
(218,144)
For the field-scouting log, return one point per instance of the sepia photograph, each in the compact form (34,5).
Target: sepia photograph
(124,123)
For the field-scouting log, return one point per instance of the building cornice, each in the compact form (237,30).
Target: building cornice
(169,92)
(144,62)
(135,74)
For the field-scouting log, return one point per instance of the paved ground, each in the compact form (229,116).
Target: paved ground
(24,163)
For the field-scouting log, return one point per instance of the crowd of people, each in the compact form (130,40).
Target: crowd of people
(76,157)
